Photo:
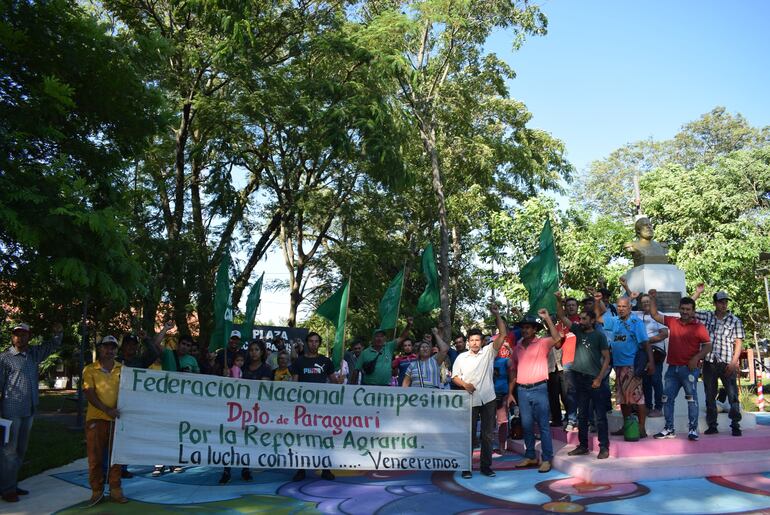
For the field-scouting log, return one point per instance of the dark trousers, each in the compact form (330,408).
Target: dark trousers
(653,388)
(712,372)
(557,389)
(597,397)
(487,414)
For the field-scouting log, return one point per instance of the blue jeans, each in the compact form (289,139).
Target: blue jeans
(654,383)
(586,393)
(680,376)
(534,407)
(12,453)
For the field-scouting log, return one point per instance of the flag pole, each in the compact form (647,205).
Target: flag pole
(400,296)
(347,303)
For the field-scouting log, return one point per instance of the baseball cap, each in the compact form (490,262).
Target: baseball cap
(235,334)
(721,295)
(20,327)
(109,340)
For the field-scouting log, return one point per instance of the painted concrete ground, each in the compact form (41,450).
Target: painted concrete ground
(512,491)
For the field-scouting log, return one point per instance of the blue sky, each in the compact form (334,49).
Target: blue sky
(612,72)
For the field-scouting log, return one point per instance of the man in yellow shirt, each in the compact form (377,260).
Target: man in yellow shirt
(100,385)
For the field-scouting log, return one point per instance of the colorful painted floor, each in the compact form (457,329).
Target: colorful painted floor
(512,491)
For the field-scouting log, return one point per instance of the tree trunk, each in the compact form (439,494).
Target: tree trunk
(429,142)
(455,286)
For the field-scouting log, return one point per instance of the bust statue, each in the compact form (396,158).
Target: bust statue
(645,250)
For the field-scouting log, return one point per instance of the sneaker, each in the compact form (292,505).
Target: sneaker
(488,472)
(655,413)
(246,474)
(496,453)
(642,434)
(578,451)
(737,431)
(570,428)
(157,471)
(299,476)
(711,431)
(225,478)
(692,435)
(467,474)
(327,475)
(178,470)
(666,433)
(604,453)
(544,467)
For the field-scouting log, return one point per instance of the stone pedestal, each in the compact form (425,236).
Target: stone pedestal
(668,280)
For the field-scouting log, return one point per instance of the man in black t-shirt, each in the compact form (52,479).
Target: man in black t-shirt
(312,368)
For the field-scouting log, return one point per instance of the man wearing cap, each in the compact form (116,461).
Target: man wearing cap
(380,355)
(101,380)
(19,400)
(473,371)
(530,362)
(233,346)
(726,332)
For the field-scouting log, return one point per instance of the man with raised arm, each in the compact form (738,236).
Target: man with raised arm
(591,364)
(628,337)
(425,371)
(473,372)
(726,332)
(18,401)
(688,343)
(374,364)
(530,363)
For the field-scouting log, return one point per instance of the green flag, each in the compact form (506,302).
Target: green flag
(391,301)
(252,303)
(541,275)
(223,311)
(335,310)
(431,297)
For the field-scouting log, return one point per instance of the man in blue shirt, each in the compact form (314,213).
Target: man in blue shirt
(628,336)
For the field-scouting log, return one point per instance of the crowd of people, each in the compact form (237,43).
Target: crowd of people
(559,379)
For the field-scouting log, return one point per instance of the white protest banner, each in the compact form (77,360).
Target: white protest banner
(192,419)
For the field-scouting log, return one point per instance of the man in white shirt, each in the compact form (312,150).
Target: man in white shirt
(473,371)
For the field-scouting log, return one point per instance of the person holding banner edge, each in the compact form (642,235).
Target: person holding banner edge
(473,371)
(100,386)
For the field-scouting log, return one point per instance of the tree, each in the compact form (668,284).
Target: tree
(717,219)
(74,109)
(449,85)
(607,186)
